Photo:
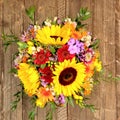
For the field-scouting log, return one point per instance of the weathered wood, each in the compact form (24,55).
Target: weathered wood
(107,36)
(1,61)
(104,24)
(16,27)
(117,50)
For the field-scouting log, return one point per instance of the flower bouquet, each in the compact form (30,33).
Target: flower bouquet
(56,61)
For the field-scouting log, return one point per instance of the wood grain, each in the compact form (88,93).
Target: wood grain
(104,24)
(1,60)
(117,50)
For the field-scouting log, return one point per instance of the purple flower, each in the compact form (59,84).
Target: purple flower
(86,56)
(60,100)
(75,46)
(24,37)
(30,27)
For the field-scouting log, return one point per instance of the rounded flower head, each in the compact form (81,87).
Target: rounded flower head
(29,77)
(54,35)
(44,95)
(69,76)
(41,57)
(75,46)
(46,74)
(63,54)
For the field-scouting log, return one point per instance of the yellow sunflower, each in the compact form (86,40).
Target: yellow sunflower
(29,77)
(69,77)
(55,35)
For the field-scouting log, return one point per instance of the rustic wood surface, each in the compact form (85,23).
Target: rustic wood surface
(104,24)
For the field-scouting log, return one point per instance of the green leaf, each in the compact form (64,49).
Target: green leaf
(91,107)
(53,107)
(13,70)
(9,39)
(52,49)
(32,114)
(18,96)
(22,45)
(70,101)
(84,14)
(31,13)
(95,44)
(43,66)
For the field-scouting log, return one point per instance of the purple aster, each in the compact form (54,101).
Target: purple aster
(75,46)
(60,100)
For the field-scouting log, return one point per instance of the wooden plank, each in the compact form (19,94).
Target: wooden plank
(16,27)
(6,89)
(26,104)
(1,61)
(117,40)
(44,11)
(74,7)
(106,32)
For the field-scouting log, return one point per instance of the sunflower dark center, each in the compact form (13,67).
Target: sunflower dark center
(55,37)
(67,76)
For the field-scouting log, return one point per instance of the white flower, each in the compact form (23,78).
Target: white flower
(87,40)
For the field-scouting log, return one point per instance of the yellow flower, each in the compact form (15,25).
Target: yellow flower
(98,65)
(54,34)
(29,77)
(78,97)
(31,48)
(69,77)
(44,95)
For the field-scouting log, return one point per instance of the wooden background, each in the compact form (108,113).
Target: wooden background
(104,24)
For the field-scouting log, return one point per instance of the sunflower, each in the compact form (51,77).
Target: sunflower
(29,77)
(68,77)
(54,34)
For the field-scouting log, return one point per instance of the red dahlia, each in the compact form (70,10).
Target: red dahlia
(63,53)
(41,57)
(46,74)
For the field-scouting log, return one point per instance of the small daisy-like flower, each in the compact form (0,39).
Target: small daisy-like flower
(63,54)
(86,56)
(46,74)
(41,57)
(87,40)
(44,95)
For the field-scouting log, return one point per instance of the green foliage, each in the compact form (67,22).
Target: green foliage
(31,114)
(83,14)
(53,107)
(70,100)
(22,45)
(52,49)
(18,96)
(9,39)
(13,70)
(31,13)
(95,44)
